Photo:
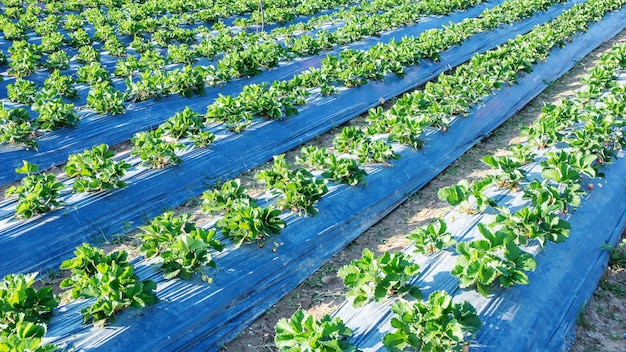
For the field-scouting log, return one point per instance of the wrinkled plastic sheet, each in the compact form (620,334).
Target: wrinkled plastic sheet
(98,216)
(93,129)
(194,315)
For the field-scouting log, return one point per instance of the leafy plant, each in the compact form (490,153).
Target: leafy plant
(93,73)
(95,170)
(22,91)
(16,127)
(617,253)
(438,324)
(24,58)
(546,197)
(481,262)
(558,168)
(103,98)
(87,54)
(376,278)
(36,193)
(183,124)
(20,303)
(55,113)
(508,171)
(224,199)
(432,238)
(303,333)
(58,60)
(527,224)
(247,222)
(27,337)
(182,247)
(61,85)
(51,42)
(460,193)
(110,279)
(79,38)
(154,151)
(299,188)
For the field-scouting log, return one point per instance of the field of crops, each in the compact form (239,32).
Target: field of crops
(171,169)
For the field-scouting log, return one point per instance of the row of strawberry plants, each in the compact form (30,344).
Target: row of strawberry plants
(497,256)
(103,98)
(157,153)
(274,102)
(163,32)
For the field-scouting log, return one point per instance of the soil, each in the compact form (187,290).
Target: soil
(603,325)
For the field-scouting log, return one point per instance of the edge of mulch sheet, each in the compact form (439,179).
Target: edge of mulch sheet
(43,242)
(194,315)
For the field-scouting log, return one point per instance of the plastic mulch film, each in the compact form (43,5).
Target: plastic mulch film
(194,315)
(88,218)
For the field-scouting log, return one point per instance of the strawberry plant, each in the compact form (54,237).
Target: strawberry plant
(344,170)
(73,22)
(79,38)
(93,73)
(481,262)
(438,324)
(127,67)
(558,169)
(110,279)
(103,98)
(154,151)
(16,127)
(182,247)
(55,113)
(22,91)
(181,54)
(87,54)
(51,42)
(460,193)
(306,334)
(299,188)
(95,170)
(432,238)
(27,337)
(508,171)
(151,60)
(37,193)
(528,224)
(150,85)
(115,47)
(545,196)
(183,124)
(24,58)
(522,153)
(57,60)
(247,222)
(224,199)
(59,85)
(376,278)
(20,303)
(188,81)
